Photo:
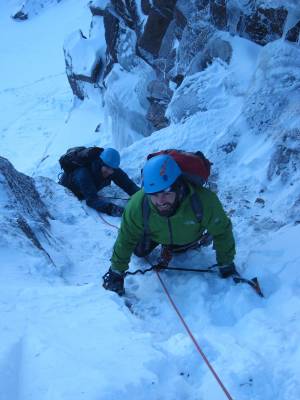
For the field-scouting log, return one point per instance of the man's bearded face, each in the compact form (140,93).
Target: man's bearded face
(164,202)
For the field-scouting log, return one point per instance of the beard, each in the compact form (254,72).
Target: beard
(167,211)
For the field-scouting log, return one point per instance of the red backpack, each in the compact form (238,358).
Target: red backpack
(195,166)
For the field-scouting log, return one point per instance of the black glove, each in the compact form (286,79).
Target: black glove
(114,281)
(114,210)
(227,270)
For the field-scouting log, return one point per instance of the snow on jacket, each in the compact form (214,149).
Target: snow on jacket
(180,229)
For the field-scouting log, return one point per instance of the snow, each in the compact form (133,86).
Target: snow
(86,51)
(62,335)
(34,81)
(126,112)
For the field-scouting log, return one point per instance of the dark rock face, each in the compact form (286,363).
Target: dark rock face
(20,15)
(293,34)
(127,11)
(111,25)
(118,16)
(23,194)
(264,25)
(218,14)
(192,44)
(30,8)
(156,115)
(159,91)
(74,81)
(285,160)
(23,208)
(146,6)
(178,37)
(159,97)
(180,21)
(157,24)
(228,147)
(155,29)
(97,9)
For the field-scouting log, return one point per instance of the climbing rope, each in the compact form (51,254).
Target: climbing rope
(193,338)
(107,223)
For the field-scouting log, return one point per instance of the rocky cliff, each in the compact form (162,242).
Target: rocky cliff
(167,40)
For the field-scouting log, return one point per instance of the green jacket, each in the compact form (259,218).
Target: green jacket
(180,229)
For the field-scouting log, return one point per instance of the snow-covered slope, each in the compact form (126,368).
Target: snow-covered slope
(62,336)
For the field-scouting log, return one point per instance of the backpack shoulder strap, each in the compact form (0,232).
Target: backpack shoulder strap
(146,214)
(197,206)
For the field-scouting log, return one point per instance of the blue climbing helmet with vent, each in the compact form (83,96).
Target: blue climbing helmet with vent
(110,157)
(159,173)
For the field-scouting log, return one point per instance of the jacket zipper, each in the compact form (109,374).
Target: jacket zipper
(170,231)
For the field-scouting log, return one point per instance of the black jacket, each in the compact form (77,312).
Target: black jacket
(86,181)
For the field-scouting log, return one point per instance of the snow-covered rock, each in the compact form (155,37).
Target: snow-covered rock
(24,216)
(97,7)
(178,39)
(84,61)
(28,8)
(271,114)
(126,112)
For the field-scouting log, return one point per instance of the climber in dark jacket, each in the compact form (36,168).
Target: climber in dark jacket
(86,181)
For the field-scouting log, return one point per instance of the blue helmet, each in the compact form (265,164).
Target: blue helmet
(110,157)
(159,173)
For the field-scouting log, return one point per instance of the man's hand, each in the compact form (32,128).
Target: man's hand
(114,281)
(227,270)
(114,210)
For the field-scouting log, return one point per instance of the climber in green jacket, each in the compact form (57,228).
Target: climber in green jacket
(166,211)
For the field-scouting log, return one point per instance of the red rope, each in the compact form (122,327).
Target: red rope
(186,327)
(193,338)
(107,223)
